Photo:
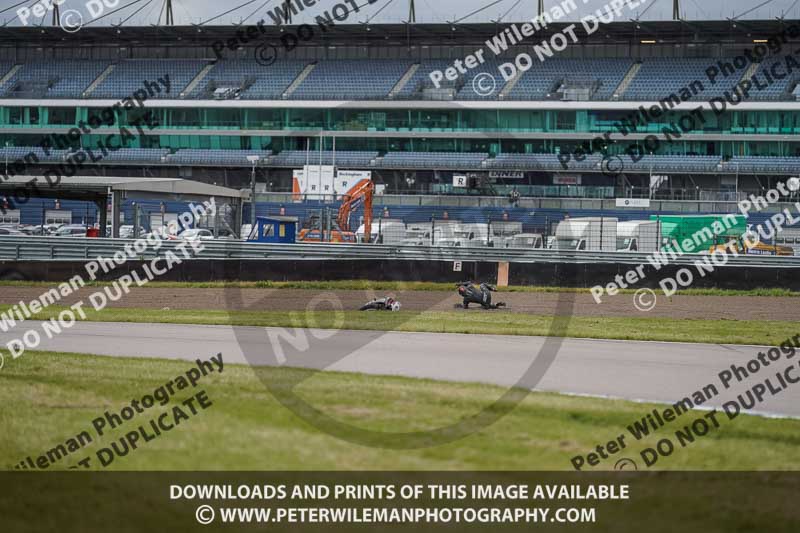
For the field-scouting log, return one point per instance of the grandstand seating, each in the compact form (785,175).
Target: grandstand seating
(343,158)
(779,88)
(672,163)
(763,164)
(52,79)
(659,77)
(143,155)
(468,91)
(541,162)
(365,79)
(24,153)
(267,83)
(454,160)
(421,78)
(373,79)
(130,75)
(542,77)
(237,158)
(424,160)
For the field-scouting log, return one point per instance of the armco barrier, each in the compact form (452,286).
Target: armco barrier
(589,275)
(70,249)
(57,259)
(542,274)
(199,270)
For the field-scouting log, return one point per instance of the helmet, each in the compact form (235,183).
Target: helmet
(393,305)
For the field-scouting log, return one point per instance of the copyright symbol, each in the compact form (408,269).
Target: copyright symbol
(68,22)
(626,464)
(645,300)
(612,166)
(266,54)
(484,84)
(204,514)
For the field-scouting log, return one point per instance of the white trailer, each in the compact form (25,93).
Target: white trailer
(384,231)
(420,234)
(638,236)
(463,235)
(789,237)
(587,234)
(525,240)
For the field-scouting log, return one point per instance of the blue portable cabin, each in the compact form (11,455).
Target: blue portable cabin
(274,229)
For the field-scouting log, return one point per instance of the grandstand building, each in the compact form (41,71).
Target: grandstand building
(604,118)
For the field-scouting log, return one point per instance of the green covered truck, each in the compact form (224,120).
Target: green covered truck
(699,233)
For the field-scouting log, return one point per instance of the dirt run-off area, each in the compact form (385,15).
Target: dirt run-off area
(544,303)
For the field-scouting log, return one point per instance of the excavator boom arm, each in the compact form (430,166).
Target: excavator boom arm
(361,192)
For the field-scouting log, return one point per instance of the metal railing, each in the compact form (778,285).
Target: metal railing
(84,249)
(709,204)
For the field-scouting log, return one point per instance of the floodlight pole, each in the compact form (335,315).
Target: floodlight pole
(170,18)
(541,7)
(253,196)
(676,9)
(56,16)
(412,11)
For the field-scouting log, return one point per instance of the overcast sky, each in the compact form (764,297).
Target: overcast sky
(196,11)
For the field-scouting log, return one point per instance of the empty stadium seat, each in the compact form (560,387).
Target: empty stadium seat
(131,74)
(259,82)
(541,79)
(362,79)
(52,79)
(455,160)
(660,77)
(342,158)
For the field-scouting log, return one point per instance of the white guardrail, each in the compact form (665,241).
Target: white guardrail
(32,248)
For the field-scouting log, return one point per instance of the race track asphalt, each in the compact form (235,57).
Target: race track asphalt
(641,371)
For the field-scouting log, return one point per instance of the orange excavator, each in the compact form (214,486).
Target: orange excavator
(361,193)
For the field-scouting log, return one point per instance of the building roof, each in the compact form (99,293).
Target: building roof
(278,218)
(158,188)
(463,33)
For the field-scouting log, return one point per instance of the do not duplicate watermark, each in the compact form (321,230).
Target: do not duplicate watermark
(158,425)
(70,20)
(100,299)
(750,376)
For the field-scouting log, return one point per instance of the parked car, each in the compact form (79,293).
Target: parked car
(196,235)
(10,232)
(531,241)
(225,235)
(126,232)
(71,231)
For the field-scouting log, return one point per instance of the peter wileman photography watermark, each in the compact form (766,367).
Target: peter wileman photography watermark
(515,35)
(97,124)
(752,375)
(147,431)
(70,20)
(268,52)
(319,340)
(778,68)
(100,299)
(703,242)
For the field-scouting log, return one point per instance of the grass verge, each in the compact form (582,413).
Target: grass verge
(757,332)
(55,396)
(400,286)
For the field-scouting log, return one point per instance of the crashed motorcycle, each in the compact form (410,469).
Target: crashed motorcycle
(381,304)
(477,294)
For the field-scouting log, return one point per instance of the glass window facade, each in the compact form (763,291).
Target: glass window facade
(406,129)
